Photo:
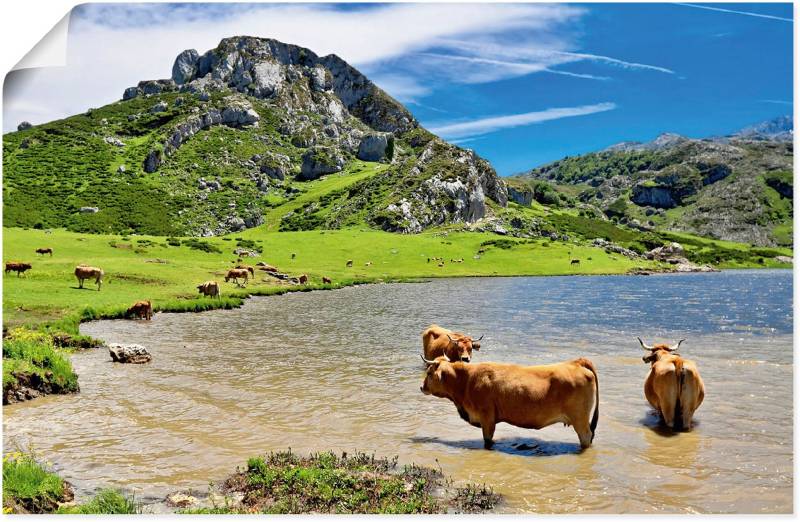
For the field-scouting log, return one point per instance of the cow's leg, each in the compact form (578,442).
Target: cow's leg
(488,433)
(80,282)
(584,432)
(668,413)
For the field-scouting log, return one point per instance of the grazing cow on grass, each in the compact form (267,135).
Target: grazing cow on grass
(248,268)
(326,280)
(83,272)
(438,341)
(43,251)
(575,262)
(19,268)
(349,263)
(303,279)
(209,288)
(368,263)
(532,397)
(673,386)
(294,255)
(235,274)
(141,310)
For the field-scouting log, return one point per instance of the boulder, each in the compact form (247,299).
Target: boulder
(121,169)
(25,125)
(130,93)
(152,161)
(375,147)
(111,140)
(239,113)
(318,161)
(185,67)
(129,353)
(89,210)
(159,107)
(785,259)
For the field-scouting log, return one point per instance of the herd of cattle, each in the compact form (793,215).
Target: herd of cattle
(534,397)
(488,393)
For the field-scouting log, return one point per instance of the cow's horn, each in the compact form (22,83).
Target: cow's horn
(644,345)
(479,338)
(426,360)
(676,346)
(451,339)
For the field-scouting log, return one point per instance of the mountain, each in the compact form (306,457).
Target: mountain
(777,129)
(737,188)
(252,131)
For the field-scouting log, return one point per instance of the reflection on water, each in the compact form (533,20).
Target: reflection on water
(340,370)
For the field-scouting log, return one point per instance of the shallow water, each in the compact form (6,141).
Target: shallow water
(340,370)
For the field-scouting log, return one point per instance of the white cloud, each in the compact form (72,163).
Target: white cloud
(486,125)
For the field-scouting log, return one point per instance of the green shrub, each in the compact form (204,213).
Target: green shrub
(27,352)
(105,502)
(203,246)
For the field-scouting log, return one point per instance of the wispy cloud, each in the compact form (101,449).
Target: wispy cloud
(777,102)
(746,13)
(491,124)
(614,61)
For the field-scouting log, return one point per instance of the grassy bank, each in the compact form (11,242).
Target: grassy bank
(32,365)
(30,488)
(150,267)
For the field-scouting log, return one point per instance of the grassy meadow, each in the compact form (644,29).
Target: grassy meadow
(148,267)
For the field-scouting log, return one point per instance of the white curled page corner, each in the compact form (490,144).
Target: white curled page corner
(51,50)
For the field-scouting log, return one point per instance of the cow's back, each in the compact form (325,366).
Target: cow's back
(532,396)
(432,341)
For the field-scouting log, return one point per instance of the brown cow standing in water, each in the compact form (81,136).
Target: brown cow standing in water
(673,386)
(141,310)
(19,268)
(532,397)
(89,272)
(43,251)
(437,341)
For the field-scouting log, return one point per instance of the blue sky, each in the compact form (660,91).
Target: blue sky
(522,84)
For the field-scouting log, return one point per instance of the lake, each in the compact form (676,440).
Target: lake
(340,370)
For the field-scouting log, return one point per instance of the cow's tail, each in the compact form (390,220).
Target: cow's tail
(586,363)
(680,374)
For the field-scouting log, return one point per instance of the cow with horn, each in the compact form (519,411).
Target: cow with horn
(673,386)
(438,341)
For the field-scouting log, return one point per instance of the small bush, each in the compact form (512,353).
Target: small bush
(105,502)
(203,246)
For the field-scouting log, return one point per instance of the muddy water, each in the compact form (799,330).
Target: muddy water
(341,370)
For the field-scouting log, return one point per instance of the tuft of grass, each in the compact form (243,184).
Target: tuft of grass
(105,502)
(28,487)
(284,482)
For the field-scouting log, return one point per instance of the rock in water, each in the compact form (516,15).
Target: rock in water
(129,353)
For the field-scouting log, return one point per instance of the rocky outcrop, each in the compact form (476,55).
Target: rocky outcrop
(609,247)
(653,195)
(25,125)
(129,353)
(185,66)
(150,87)
(520,196)
(376,147)
(318,161)
(89,210)
(456,196)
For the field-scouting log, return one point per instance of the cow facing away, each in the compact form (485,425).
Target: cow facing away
(141,310)
(19,268)
(83,272)
(673,386)
(236,274)
(43,251)
(531,397)
(209,288)
(438,341)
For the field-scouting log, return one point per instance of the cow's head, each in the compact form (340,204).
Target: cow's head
(657,350)
(460,347)
(439,376)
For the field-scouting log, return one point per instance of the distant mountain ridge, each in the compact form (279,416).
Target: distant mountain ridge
(738,187)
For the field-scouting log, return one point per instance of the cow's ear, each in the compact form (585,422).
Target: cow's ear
(476,345)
